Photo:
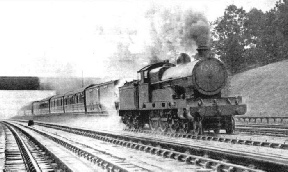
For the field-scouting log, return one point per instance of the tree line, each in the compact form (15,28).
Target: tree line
(241,39)
(244,40)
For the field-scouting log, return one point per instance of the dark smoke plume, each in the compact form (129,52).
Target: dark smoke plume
(175,30)
(196,28)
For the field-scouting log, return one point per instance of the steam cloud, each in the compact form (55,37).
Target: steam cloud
(170,31)
(196,29)
(64,84)
(174,31)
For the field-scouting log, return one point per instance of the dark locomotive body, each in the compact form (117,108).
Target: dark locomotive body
(180,98)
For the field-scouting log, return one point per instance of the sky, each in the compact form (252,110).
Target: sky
(60,38)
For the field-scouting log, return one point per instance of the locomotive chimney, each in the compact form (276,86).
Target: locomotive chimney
(203,52)
(183,59)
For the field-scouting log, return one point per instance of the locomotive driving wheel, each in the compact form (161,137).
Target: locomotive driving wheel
(153,124)
(216,131)
(185,127)
(137,122)
(153,121)
(164,121)
(231,128)
(173,126)
(163,124)
(127,120)
(197,127)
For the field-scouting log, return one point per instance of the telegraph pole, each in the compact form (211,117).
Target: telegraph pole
(82,79)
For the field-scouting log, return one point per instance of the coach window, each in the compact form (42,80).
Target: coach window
(81,98)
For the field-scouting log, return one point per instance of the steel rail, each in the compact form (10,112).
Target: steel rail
(51,158)
(265,131)
(30,162)
(105,164)
(217,138)
(236,157)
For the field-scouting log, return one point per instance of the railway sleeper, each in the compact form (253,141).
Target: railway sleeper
(98,160)
(222,139)
(147,149)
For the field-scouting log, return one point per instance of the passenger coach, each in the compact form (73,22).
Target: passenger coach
(95,98)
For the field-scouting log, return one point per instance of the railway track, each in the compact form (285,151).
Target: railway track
(233,139)
(214,158)
(271,130)
(280,126)
(26,154)
(77,157)
(218,138)
(185,159)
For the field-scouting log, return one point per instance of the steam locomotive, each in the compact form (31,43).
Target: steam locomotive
(181,98)
(185,97)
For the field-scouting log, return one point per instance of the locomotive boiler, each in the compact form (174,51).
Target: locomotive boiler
(185,97)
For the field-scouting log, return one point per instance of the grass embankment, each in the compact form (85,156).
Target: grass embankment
(264,89)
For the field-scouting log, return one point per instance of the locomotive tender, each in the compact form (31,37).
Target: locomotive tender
(180,98)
